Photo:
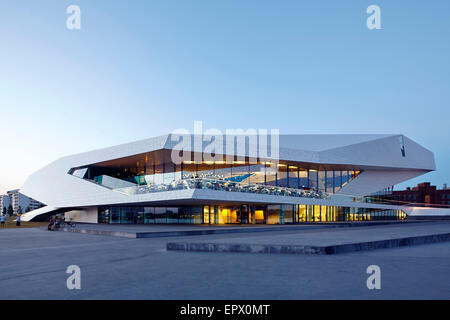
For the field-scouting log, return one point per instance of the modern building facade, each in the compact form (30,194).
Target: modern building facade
(312,178)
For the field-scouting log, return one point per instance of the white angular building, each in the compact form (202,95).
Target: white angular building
(310,178)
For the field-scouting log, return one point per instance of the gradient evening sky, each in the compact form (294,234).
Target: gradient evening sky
(138,69)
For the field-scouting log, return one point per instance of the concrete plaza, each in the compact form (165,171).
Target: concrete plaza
(33,266)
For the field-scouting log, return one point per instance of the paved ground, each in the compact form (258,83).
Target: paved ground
(33,264)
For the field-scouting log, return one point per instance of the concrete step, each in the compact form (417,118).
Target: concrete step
(125,232)
(305,249)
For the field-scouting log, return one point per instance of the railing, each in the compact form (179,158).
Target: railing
(232,186)
(223,185)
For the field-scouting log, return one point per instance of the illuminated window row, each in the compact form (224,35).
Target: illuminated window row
(242,214)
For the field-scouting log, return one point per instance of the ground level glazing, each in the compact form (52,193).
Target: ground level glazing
(241,214)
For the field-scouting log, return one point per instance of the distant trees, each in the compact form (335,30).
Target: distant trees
(19,211)
(10,210)
(27,209)
(4,211)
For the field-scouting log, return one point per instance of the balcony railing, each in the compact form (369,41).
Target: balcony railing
(223,185)
(232,186)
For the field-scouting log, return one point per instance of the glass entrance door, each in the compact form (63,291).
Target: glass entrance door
(245,217)
(208,215)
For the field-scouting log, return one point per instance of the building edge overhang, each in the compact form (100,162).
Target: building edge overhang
(330,155)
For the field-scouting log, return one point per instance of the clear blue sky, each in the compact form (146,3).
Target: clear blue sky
(138,69)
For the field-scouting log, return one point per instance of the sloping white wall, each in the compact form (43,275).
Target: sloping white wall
(370,181)
(115,183)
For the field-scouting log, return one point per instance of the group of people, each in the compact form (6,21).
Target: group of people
(196,182)
(3,221)
(52,225)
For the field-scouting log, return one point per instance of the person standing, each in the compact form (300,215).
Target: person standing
(50,225)
(3,221)
(18,220)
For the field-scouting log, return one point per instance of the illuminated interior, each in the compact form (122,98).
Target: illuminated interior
(156,168)
(152,170)
(242,214)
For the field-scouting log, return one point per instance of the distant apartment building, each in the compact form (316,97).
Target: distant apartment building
(19,201)
(423,194)
(4,202)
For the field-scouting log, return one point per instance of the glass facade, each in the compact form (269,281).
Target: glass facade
(155,169)
(242,214)
(154,172)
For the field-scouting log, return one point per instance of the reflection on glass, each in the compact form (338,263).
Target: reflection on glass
(154,171)
(273,214)
(271,174)
(293,177)
(321,176)
(240,173)
(149,215)
(282,175)
(270,214)
(172,215)
(288,214)
(160,215)
(257,174)
(303,178)
(313,179)
(337,180)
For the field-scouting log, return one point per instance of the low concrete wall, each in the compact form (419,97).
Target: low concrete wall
(428,218)
(427,212)
(88,215)
(306,249)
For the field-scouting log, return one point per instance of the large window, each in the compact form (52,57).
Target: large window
(293,177)
(303,175)
(271,174)
(240,173)
(282,177)
(149,215)
(321,177)
(313,177)
(242,214)
(288,214)
(301,215)
(273,214)
(155,172)
(257,174)
(172,215)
